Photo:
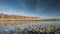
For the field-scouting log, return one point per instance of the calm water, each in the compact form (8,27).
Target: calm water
(40,23)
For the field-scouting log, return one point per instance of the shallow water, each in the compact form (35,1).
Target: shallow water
(48,23)
(20,27)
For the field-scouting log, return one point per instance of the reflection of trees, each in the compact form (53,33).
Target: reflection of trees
(0,24)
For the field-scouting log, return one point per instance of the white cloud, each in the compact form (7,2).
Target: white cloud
(20,13)
(13,12)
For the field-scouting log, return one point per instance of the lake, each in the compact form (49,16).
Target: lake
(44,24)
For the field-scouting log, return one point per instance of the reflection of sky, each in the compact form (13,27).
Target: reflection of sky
(22,26)
(42,8)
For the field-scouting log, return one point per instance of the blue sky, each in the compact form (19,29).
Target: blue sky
(40,8)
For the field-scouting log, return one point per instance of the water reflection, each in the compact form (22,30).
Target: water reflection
(43,27)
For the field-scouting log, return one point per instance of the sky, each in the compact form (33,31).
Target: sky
(39,8)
